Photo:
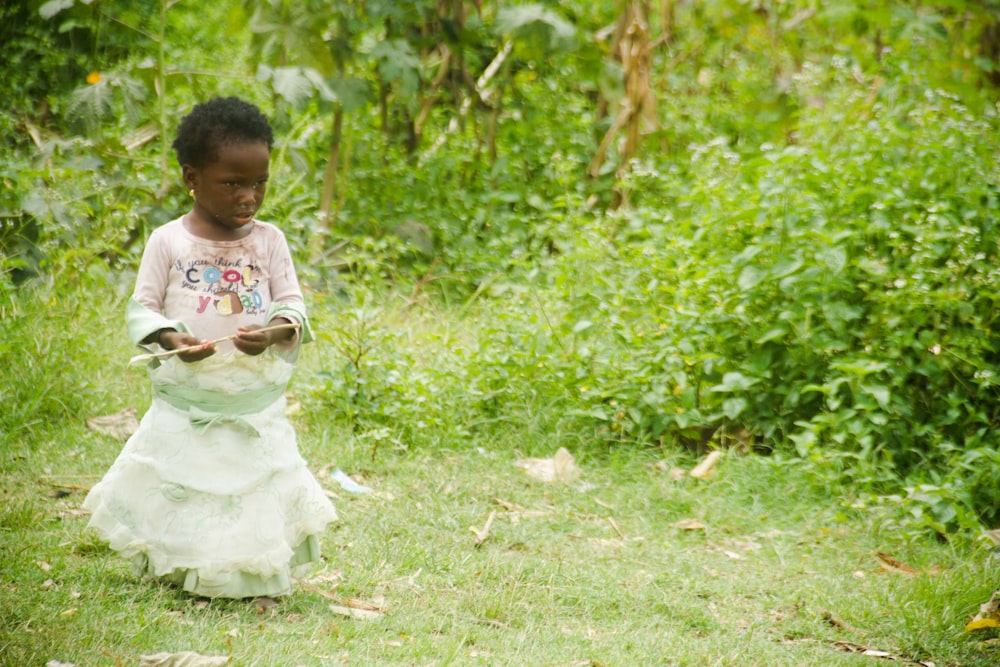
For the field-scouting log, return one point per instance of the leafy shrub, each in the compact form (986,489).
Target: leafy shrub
(836,296)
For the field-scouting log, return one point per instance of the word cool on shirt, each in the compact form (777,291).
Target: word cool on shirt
(222,285)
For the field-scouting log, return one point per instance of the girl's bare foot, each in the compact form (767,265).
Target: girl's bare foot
(264,603)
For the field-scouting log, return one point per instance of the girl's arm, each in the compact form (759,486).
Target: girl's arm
(146,322)
(287,305)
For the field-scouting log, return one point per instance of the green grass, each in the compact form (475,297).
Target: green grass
(593,572)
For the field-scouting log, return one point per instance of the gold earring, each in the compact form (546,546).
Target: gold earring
(191,192)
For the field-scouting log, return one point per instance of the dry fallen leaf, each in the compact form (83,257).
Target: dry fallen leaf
(993,536)
(351,607)
(982,624)
(890,564)
(878,653)
(988,616)
(560,468)
(120,425)
(704,469)
(690,524)
(895,565)
(860,649)
(316,587)
(354,612)
(183,659)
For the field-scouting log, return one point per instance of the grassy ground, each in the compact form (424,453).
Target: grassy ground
(623,566)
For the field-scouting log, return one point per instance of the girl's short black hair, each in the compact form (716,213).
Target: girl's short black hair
(218,122)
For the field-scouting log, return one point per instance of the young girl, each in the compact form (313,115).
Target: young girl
(211,493)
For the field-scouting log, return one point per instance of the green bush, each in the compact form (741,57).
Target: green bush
(836,296)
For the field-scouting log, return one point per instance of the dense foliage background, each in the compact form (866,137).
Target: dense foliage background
(730,223)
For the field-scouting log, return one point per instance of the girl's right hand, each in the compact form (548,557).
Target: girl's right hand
(171,340)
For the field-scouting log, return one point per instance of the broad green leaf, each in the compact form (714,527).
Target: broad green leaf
(750,277)
(786,268)
(290,83)
(880,393)
(523,18)
(835,258)
(53,7)
(735,381)
(774,334)
(326,93)
(734,407)
(398,63)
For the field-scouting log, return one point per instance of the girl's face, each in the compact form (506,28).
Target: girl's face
(229,191)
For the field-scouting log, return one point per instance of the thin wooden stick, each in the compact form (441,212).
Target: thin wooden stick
(169,353)
(73,487)
(481,535)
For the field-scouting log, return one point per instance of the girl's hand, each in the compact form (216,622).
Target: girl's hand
(171,340)
(251,341)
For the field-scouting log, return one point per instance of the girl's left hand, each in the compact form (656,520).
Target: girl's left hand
(249,340)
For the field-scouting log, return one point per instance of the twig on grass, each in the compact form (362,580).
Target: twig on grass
(72,487)
(481,535)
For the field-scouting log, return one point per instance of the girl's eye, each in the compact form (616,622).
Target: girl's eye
(259,186)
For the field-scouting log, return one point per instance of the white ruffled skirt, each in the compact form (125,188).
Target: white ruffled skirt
(219,511)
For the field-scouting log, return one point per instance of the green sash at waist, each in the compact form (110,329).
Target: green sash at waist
(208,408)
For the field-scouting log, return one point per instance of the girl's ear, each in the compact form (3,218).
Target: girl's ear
(190,175)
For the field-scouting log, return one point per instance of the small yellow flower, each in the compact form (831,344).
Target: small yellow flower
(680,410)
(93,77)
(584,389)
